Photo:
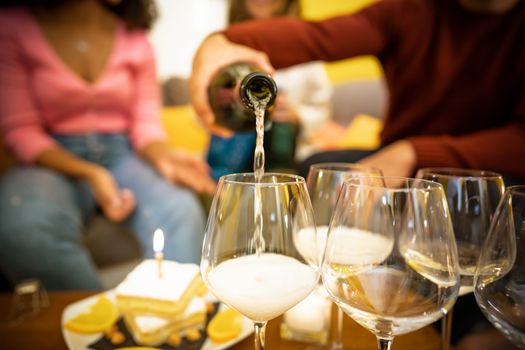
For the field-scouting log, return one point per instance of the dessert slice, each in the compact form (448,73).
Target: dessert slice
(144,292)
(153,330)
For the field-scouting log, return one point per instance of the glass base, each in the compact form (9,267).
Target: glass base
(319,338)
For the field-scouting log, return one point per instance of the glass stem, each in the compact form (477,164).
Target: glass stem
(384,343)
(260,333)
(446,330)
(337,343)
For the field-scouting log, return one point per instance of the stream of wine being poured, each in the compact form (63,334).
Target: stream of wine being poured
(259,108)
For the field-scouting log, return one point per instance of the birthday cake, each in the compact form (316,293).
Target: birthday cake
(146,292)
(162,301)
(153,330)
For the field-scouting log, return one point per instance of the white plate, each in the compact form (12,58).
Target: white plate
(76,341)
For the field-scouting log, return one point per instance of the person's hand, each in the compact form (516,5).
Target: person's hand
(215,53)
(180,167)
(397,159)
(116,204)
(283,112)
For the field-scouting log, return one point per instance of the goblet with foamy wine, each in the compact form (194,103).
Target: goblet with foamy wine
(324,182)
(249,259)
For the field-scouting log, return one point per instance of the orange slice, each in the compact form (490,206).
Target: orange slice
(226,325)
(98,318)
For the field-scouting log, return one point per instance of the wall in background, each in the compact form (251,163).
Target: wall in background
(182,26)
(359,68)
(316,10)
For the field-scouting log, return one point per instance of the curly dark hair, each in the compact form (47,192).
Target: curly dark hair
(135,13)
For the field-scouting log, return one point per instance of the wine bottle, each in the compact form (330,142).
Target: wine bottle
(233,91)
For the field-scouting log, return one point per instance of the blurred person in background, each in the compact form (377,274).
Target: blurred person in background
(455,70)
(303,104)
(79,109)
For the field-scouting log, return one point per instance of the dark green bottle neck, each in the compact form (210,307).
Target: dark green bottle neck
(258,86)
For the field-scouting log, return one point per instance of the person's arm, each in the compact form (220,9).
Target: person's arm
(179,166)
(20,124)
(148,135)
(287,41)
(499,149)
(116,203)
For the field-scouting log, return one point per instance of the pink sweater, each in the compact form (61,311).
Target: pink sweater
(40,95)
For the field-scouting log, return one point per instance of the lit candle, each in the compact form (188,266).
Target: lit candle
(158,247)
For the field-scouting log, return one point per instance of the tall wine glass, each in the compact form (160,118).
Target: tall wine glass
(250,260)
(499,282)
(391,258)
(472,197)
(324,182)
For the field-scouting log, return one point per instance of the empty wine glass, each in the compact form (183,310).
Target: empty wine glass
(499,282)
(250,260)
(324,182)
(472,197)
(391,258)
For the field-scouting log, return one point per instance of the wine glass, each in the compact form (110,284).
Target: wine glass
(324,182)
(391,258)
(250,260)
(499,282)
(472,197)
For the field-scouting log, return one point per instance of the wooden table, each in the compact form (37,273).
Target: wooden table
(44,332)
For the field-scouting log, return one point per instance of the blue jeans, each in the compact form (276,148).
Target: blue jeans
(42,215)
(227,155)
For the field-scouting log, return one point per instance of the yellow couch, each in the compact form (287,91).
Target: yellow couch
(185,131)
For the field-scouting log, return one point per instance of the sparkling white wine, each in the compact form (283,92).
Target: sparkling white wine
(310,242)
(357,249)
(387,300)
(258,103)
(386,292)
(258,159)
(262,287)
(433,270)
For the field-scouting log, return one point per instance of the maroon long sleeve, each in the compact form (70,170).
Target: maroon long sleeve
(456,78)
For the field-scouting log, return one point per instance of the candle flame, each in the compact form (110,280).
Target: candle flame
(158,241)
